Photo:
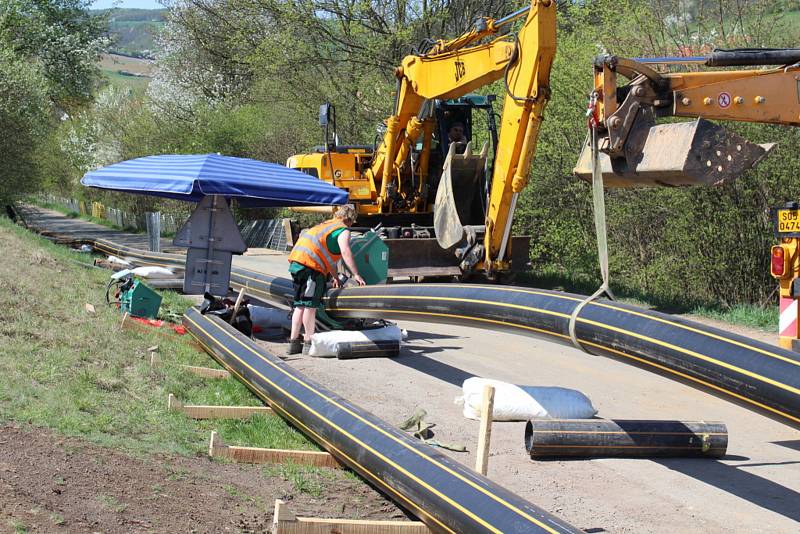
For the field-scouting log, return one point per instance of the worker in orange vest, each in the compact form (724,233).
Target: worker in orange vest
(312,260)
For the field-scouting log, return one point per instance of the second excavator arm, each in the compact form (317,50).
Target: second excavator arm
(637,151)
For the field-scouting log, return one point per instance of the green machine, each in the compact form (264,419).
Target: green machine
(138,299)
(371,256)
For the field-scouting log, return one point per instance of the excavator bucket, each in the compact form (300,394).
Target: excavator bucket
(458,198)
(697,152)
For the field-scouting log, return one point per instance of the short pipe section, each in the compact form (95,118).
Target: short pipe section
(601,438)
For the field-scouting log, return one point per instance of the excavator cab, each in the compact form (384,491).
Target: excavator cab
(460,209)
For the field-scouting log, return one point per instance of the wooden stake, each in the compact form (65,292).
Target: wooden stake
(256,455)
(155,360)
(485,434)
(285,521)
(215,412)
(236,306)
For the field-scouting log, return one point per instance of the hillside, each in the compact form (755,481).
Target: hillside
(134,30)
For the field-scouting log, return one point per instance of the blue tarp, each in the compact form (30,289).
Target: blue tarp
(255,184)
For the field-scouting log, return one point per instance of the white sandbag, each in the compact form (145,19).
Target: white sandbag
(153,272)
(119,261)
(268,318)
(326,344)
(521,403)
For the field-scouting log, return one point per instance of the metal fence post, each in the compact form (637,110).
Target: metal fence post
(154,230)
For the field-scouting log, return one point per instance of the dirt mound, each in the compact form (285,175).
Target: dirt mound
(50,483)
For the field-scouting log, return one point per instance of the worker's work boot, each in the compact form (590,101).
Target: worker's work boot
(306,348)
(295,346)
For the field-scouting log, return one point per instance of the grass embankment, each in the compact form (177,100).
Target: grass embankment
(80,375)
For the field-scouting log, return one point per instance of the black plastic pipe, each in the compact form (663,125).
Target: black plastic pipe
(446,495)
(743,57)
(758,375)
(601,438)
(368,349)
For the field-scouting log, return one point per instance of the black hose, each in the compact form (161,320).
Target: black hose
(742,57)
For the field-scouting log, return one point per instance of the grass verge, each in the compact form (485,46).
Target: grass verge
(79,374)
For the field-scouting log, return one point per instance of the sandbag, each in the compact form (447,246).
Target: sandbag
(269,322)
(326,344)
(521,403)
(119,261)
(153,272)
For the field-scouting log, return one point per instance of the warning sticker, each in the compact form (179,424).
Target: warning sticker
(724,100)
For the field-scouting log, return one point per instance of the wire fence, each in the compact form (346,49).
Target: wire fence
(260,233)
(119,218)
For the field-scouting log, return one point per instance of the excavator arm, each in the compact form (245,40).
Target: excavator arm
(637,151)
(452,69)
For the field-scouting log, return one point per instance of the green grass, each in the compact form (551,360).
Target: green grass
(305,479)
(134,83)
(80,375)
(752,316)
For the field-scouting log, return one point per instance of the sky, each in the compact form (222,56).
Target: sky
(142,4)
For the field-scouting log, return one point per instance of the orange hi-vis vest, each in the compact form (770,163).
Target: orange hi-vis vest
(311,248)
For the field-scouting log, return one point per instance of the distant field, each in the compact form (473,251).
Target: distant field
(114,63)
(127,82)
(134,30)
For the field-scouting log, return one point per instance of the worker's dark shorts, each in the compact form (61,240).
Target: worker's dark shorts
(309,286)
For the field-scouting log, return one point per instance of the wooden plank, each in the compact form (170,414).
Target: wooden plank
(284,521)
(287,231)
(485,433)
(215,412)
(207,372)
(256,455)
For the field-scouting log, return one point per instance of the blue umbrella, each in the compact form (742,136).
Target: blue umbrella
(255,184)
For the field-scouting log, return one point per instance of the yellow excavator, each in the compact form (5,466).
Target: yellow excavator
(447,204)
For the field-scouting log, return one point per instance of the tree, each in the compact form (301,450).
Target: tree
(63,38)
(24,120)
